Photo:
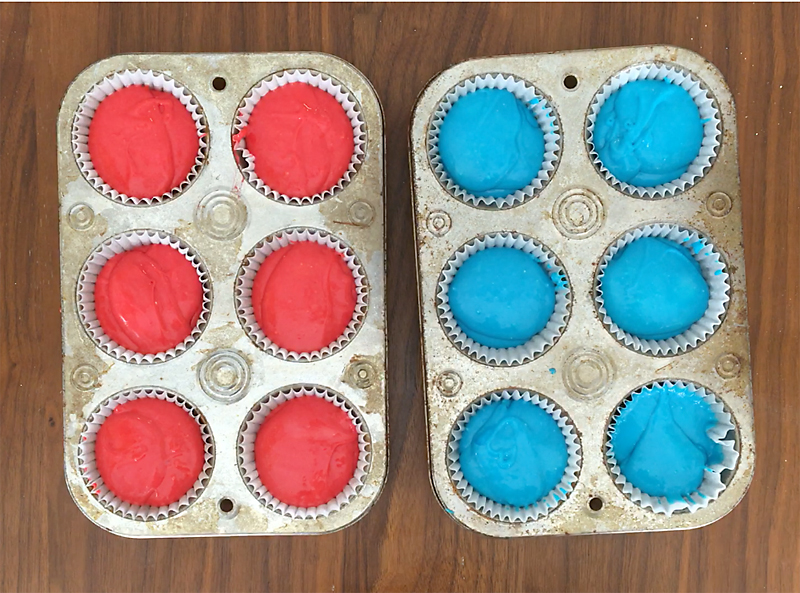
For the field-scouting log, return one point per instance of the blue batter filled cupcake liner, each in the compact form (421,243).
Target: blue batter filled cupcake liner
(247,461)
(320,81)
(709,117)
(247,274)
(88,278)
(87,464)
(544,114)
(505,512)
(115,82)
(712,484)
(712,269)
(537,344)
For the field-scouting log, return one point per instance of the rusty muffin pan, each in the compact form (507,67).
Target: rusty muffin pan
(585,370)
(224,373)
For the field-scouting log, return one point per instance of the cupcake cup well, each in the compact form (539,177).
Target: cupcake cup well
(539,343)
(101,90)
(88,278)
(93,479)
(709,114)
(712,484)
(545,116)
(315,79)
(246,451)
(713,270)
(249,269)
(505,512)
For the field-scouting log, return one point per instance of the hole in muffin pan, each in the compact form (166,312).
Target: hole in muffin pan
(548,121)
(94,481)
(595,504)
(84,115)
(732,435)
(251,426)
(226,505)
(480,502)
(710,115)
(570,82)
(281,240)
(219,83)
(706,326)
(87,279)
(316,80)
(529,350)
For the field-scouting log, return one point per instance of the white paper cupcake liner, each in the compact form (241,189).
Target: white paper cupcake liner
(545,116)
(709,114)
(504,512)
(714,272)
(94,481)
(315,79)
(249,269)
(246,451)
(540,342)
(88,278)
(712,485)
(115,82)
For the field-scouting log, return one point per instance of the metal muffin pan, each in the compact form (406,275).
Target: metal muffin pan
(222,217)
(578,214)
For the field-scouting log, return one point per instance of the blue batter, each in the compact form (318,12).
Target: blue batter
(661,443)
(501,297)
(648,132)
(513,452)
(490,143)
(653,288)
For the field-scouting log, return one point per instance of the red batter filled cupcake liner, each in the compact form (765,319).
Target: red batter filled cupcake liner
(246,451)
(250,267)
(709,113)
(88,277)
(714,272)
(712,485)
(94,481)
(115,82)
(504,512)
(545,116)
(539,343)
(315,79)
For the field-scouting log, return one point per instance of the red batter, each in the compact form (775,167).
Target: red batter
(301,138)
(306,451)
(304,296)
(149,452)
(142,142)
(148,299)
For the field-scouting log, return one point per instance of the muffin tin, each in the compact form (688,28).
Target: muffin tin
(223,374)
(578,214)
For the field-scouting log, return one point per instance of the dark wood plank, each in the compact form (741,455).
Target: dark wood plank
(406,542)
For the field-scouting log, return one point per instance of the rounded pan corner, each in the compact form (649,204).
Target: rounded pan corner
(442,504)
(73,490)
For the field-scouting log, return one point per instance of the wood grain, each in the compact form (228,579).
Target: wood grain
(406,542)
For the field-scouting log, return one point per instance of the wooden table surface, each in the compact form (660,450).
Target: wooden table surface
(406,542)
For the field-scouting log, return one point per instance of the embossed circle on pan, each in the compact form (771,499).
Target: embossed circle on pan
(545,115)
(86,284)
(250,266)
(246,160)
(87,466)
(221,215)
(504,512)
(538,344)
(715,477)
(709,114)
(114,82)
(246,451)
(714,272)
